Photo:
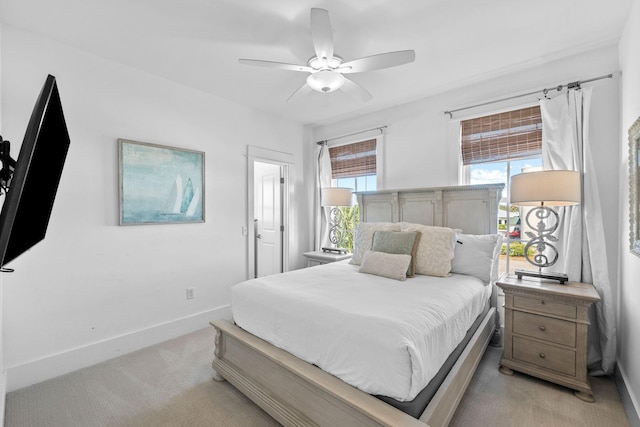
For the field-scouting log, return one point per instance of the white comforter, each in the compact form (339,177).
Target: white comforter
(380,335)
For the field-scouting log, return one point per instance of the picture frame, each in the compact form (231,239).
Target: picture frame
(634,187)
(159,184)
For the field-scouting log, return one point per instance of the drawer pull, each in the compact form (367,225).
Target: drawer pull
(542,356)
(542,328)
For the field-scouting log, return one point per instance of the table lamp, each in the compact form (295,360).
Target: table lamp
(334,197)
(542,190)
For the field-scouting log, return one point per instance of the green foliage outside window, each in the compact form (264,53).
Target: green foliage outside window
(512,208)
(350,220)
(517,249)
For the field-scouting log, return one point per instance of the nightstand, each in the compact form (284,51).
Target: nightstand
(546,331)
(319,257)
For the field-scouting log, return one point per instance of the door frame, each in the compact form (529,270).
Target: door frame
(285,161)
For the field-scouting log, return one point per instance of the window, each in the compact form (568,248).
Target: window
(353,166)
(504,136)
(494,148)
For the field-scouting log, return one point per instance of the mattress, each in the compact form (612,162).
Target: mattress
(383,336)
(416,407)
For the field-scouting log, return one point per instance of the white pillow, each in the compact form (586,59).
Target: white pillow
(478,255)
(435,249)
(363,239)
(393,266)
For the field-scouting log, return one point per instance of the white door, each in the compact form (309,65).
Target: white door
(267,219)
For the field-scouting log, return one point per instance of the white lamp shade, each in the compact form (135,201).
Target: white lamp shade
(336,196)
(325,80)
(549,188)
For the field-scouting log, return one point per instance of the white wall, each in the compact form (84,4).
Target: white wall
(92,289)
(422,143)
(629,315)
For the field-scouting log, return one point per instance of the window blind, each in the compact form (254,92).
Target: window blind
(503,136)
(352,160)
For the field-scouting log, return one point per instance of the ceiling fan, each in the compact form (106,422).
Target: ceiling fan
(326,69)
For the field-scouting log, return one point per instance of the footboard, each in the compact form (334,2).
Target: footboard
(295,392)
(443,405)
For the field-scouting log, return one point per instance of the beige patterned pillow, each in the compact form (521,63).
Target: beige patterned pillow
(435,249)
(393,266)
(364,238)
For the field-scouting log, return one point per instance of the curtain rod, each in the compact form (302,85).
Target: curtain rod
(324,142)
(572,85)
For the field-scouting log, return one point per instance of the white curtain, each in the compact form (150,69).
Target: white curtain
(323,180)
(583,255)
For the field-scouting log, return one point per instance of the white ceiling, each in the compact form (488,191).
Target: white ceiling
(198,42)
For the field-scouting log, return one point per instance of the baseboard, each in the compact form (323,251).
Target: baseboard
(39,370)
(628,399)
(3,394)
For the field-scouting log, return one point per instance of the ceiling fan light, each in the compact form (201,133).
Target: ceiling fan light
(324,63)
(334,62)
(325,81)
(315,63)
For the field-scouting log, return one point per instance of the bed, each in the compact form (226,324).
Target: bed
(292,387)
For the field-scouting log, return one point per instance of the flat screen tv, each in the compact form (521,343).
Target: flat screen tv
(31,181)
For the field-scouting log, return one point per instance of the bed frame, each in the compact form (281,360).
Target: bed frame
(297,393)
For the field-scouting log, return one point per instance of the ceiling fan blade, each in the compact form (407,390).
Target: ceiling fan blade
(321,33)
(354,89)
(377,62)
(302,90)
(277,65)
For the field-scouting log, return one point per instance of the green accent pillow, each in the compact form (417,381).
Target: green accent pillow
(397,242)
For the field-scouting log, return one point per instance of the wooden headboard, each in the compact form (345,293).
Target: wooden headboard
(471,208)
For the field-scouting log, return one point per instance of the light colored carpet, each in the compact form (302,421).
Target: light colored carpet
(170,385)
(494,399)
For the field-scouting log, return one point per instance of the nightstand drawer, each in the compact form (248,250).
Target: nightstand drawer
(543,305)
(545,328)
(545,356)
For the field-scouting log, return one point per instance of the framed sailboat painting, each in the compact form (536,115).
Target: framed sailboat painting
(160,184)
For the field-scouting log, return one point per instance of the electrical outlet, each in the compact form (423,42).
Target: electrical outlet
(190,293)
